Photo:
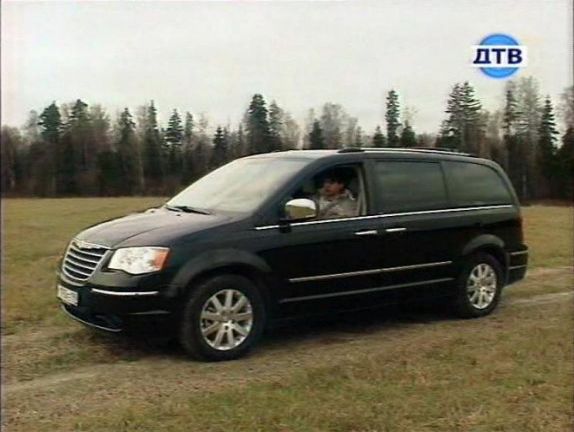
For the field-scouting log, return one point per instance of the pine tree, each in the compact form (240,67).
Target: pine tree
(408,136)
(51,124)
(9,160)
(463,128)
(392,118)
(528,125)
(511,114)
(257,125)
(107,179)
(516,164)
(220,148)
(565,166)
(379,138)
(452,127)
(78,129)
(473,129)
(175,131)
(566,107)
(152,146)
(547,148)
(174,142)
(316,141)
(128,154)
(82,142)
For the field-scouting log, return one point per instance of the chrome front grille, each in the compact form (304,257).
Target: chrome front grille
(82,259)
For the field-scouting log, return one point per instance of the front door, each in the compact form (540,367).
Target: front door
(326,258)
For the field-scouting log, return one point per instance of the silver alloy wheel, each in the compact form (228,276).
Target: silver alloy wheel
(481,286)
(226,319)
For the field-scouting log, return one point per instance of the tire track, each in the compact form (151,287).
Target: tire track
(304,347)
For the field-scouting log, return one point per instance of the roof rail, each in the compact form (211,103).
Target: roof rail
(442,150)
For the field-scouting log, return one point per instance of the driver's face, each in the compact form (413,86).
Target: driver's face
(332,188)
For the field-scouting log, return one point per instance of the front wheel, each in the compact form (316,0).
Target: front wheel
(222,319)
(478,286)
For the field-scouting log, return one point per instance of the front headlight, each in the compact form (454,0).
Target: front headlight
(139,260)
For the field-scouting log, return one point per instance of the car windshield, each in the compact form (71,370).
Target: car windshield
(240,186)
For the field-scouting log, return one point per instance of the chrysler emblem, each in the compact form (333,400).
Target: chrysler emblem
(85,245)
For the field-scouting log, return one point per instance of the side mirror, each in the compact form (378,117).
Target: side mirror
(300,209)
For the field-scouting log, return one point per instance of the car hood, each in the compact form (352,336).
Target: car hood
(154,227)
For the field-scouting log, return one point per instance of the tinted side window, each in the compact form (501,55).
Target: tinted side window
(473,184)
(410,186)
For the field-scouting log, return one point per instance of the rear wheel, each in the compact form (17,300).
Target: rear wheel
(479,286)
(223,318)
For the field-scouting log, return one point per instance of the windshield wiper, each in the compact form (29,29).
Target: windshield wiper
(187,209)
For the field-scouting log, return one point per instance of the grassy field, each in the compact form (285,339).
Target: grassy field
(397,371)
(36,233)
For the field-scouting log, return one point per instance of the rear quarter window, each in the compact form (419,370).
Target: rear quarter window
(472,184)
(404,186)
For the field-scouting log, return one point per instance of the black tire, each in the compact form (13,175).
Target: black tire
(462,305)
(190,335)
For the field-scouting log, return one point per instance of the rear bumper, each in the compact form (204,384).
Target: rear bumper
(517,265)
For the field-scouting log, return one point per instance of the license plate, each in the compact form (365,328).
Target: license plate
(67,295)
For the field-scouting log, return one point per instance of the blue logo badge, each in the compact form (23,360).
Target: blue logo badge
(499,56)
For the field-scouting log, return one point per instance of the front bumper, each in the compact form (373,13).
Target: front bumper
(129,311)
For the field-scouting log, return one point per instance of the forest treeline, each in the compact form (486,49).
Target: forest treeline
(76,149)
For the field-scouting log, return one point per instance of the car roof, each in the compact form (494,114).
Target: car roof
(373,152)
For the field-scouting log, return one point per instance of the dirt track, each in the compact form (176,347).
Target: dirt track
(158,372)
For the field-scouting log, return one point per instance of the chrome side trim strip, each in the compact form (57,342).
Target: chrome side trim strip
(335,275)
(517,267)
(362,291)
(124,293)
(416,266)
(71,315)
(367,272)
(522,252)
(379,216)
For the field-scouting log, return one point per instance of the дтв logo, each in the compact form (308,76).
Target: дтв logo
(499,56)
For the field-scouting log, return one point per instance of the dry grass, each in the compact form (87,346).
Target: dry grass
(511,371)
(549,233)
(35,234)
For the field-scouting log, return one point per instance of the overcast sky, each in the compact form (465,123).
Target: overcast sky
(212,56)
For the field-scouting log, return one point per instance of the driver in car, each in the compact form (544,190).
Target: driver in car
(335,200)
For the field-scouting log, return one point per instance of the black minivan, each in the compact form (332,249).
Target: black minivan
(260,240)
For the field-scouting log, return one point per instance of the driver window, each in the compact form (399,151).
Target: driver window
(338,192)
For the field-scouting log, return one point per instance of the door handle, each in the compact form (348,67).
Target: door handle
(367,233)
(394,230)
